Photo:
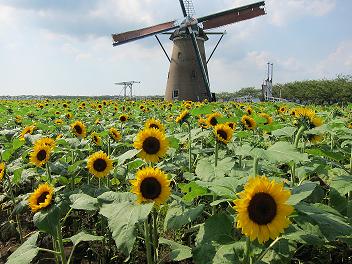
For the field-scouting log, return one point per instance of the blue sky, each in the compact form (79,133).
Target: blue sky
(64,47)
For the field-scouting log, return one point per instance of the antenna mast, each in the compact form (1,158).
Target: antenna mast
(127,85)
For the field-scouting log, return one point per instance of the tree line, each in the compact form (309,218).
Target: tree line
(338,90)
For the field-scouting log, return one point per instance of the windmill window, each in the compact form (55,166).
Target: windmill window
(175,94)
(193,74)
(179,55)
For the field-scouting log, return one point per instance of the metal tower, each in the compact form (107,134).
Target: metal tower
(127,85)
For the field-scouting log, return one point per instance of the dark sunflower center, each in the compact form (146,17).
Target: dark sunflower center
(248,122)
(42,197)
(122,118)
(95,138)
(100,165)
(154,126)
(150,188)
(262,208)
(41,155)
(231,125)
(213,121)
(151,145)
(78,129)
(222,134)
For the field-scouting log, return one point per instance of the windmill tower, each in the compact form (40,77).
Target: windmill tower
(188,74)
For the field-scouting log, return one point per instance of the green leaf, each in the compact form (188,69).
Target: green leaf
(178,215)
(48,220)
(331,223)
(82,201)
(17,143)
(207,172)
(283,151)
(203,110)
(17,174)
(116,197)
(192,190)
(26,252)
(178,251)
(74,166)
(122,219)
(334,155)
(285,132)
(343,184)
(216,231)
(6,155)
(301,192)
(83,236)
(230,253)
(173,142)
(127,155)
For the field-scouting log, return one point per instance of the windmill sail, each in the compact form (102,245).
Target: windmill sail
(233,15)
(141,33)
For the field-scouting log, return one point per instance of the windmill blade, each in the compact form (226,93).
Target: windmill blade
(143,32)
(182,4)
(200,61)
(233,15)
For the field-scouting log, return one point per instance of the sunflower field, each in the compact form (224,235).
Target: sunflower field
(105,181)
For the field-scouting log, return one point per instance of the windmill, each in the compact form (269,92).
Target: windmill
(188,74)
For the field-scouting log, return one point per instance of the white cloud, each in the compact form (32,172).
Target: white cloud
(281,12)
(338,61)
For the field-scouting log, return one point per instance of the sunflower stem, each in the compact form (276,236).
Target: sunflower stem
(266,250)
(293,174)
(109,146)
(298,135)
(216,152)
(72,176)
(155,234)
(147,242)
(55,248)
(248,255)
(48,172)
(189,148)
(255,166)
(18,222)
(61,244)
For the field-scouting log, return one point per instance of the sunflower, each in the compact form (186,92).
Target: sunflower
(268,118)
(202,123)
(26,130)
(123,118)
(154,123)
(79,129)
(313,123)
(40,154)
(223,133)
(69,115)
(248,122)
(58,121)
(96,139)
(349,125)
(212,119)
(152,143)
(182,117)
(232,125)
(262,211)
(99,164)
(151,185)
(114,134)
(249,110)
(41,197)
(46,141)
(2,170)
(282,109)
